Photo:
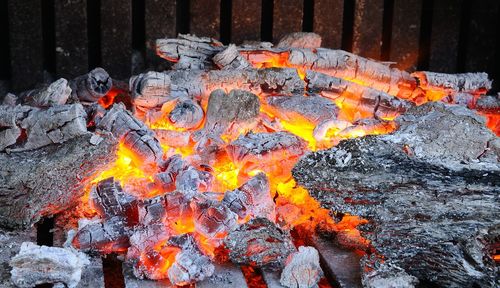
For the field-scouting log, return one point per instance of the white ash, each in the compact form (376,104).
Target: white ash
(35,265)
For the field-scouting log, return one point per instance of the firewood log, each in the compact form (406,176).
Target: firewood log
(429,191)
(48,180)
(230,58)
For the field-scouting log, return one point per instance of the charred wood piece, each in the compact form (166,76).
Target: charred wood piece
(300,40)
(367,101)
(252,199)
(192,181)
(225,112)
(187,114)
(136,136)
(230,58)
(302,269)
(145,237)
(150,89)
(474,83)
(35,265)
(190,46)
(190,264)
(109,199)
(26,128)
(50,179)
(259,243)
(410,185)
(104,237)
(56,93)
(212,218)
(258,150)
(92,86)
(173,138)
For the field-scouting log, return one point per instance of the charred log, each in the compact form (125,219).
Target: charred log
(300,40)
(302,269)
(150,89)
(104,237)
(230,58)
(50,179)
(474,83)
(430,191)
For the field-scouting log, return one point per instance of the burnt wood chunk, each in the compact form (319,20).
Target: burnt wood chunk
(328,17)
(57,93)
(405,34)
(429,191)
(446,20)
(225,275)
(110,200)
(287,17)
(50,179)
(252,199)
(150,89)
(226,112)
(212,218)
(187,114)
(116,37)
(71,38)
(29,128)
(243,27)
(105,237)
(160,22)
(26,44)
(136,136)
(230,58)
(300,40)
(262,150)
(260,243)
(368,26)
(473,83)
(341,265)
(92,86)
(188,46)
(190,264)
(204,16)
(302,268)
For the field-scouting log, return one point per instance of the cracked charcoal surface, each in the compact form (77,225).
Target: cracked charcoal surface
(430,191)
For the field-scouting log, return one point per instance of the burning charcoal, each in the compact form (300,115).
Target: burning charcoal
(56,124)
(262,149)
(152,210)
(300,40)
(230,58)
(145,237)
(224,111)
(212,218)
(474,83)
(368,127)
(35,265)
(190,264)
(92,86)
(302,269)
(171,168)
(179,214)
(154,262)
(110,200)
(136,136)
(103,237)
(321,112)
(192,181)
(150,89)
(259,242)
(56,93)
(187,114)
(252,199)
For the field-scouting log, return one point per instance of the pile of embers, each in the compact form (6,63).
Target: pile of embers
(194,165)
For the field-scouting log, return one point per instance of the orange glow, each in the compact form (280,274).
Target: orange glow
(108,99)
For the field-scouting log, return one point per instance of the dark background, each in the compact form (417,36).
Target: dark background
(44,39)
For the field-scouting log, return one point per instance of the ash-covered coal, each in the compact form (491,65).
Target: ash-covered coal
(430,192)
